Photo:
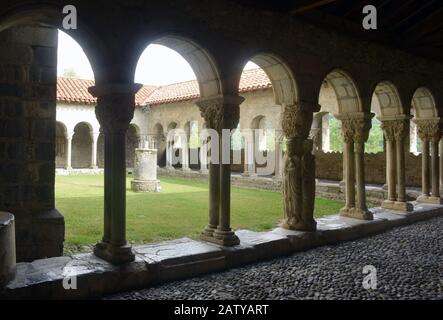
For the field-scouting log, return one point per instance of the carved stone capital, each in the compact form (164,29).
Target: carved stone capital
(428,129)
(395,130)
(220,112)
(356,126)
(115,106)
(297,121)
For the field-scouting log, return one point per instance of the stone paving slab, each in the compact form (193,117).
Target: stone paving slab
(182,258)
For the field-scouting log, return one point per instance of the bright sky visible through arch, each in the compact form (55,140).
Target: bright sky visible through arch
(158,65)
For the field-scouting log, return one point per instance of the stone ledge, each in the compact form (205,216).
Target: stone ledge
(183,258)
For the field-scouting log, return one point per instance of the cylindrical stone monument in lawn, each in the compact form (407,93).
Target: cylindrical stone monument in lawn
(145,171)
(7,248)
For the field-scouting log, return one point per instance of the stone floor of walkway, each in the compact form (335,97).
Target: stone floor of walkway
(408,262)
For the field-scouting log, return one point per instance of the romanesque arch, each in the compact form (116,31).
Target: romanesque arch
(82,146)
(423,104)
(346,92)
(60,144)
(200,61)
(386,100)
(281,77)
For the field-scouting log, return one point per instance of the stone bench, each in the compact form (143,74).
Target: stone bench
(7,248)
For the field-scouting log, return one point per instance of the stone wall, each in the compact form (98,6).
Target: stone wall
(28,62)
(329,166)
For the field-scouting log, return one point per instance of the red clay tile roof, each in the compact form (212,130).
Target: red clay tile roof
(76,90)
(253,79)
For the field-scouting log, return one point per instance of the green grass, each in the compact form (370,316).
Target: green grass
(180,209)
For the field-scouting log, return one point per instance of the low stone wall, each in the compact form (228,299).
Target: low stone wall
(329,166)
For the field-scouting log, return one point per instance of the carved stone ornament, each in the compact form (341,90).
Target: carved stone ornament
(428,129)
(296,121)
(395,130)
(220,112)
(115,106)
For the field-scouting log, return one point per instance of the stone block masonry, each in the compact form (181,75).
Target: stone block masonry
(28,62)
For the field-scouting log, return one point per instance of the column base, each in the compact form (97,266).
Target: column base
(68,168)
(186,169)
(114,254)
(429,199)
(145,186)
(292,224)
(397,206)
(208,233)
(224,238)
(204,171)
(356,213)
(93,167)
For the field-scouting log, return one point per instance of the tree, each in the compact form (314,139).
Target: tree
(70,73)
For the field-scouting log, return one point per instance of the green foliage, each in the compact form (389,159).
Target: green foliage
(373,145)
(336,139)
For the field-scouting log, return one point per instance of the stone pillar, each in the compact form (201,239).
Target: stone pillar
(441,165)
(299,170)
(220,112)
(395,132)
(95,136)
(114,111)
(69,150)
(429,132)
(204,157)
(278,156)
(185,154)
(7,248)
(349,171)
(249,154)
(435,181)
(326,134)
(355,131)
(169,151)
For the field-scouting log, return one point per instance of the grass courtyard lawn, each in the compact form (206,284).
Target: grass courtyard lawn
(180,209)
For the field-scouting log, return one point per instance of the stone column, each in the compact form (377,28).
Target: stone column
(278,156)
(69,150)
(185,153)
(114,111)
(211,111)
(355,131)
(349,170)
(204,157)
(326,134)
(396,131)
(220,112)
(441,165)
(435,181)
(429,132)
(169,151)
(249,154)
(95,136)
(299,170)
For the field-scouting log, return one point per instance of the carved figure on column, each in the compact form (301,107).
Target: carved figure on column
(299,169)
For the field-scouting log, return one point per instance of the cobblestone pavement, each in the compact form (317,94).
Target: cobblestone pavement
(408,260)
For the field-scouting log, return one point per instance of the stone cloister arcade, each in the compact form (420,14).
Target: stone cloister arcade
(407,87)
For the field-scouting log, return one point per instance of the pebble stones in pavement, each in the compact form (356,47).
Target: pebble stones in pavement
(408,262)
